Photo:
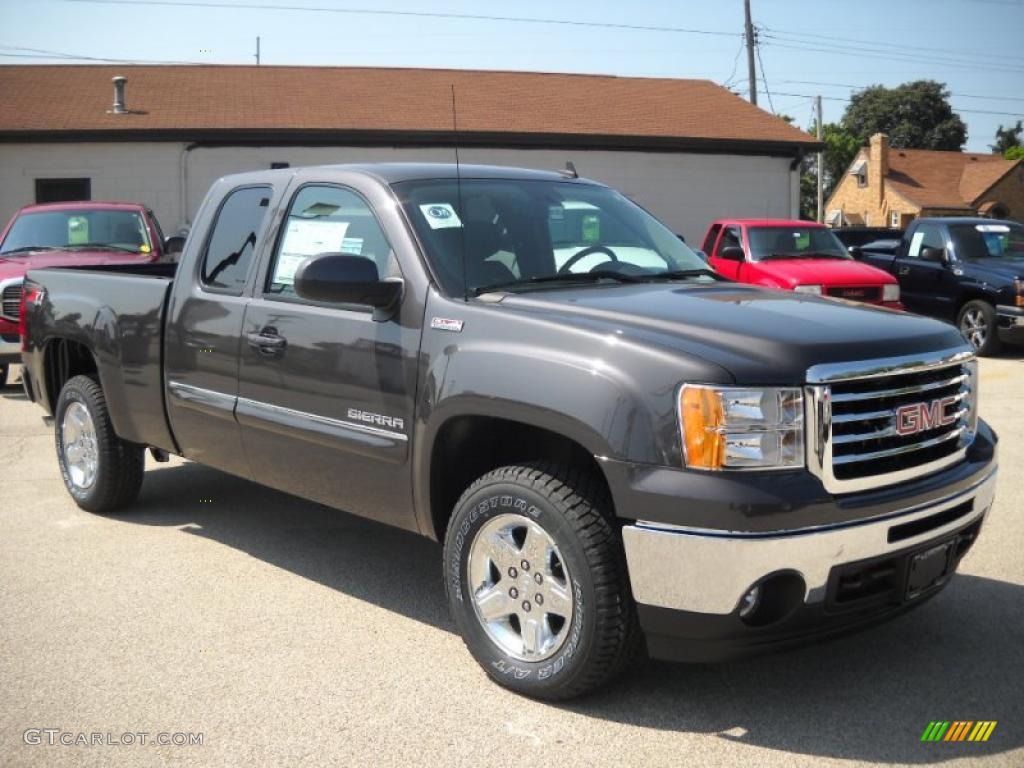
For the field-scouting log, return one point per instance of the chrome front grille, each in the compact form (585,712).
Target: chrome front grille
(869,293)
(879,422)
(10,299)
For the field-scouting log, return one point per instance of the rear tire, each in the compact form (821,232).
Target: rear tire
(101,471)
(977,323)
(536,580)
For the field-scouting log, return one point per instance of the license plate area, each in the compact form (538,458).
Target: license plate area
(929,569)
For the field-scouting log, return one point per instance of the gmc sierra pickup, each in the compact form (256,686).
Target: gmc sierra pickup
(619,449)
(964,270)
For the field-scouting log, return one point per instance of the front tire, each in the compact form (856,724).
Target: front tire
(977,323)
(536,580)
(3,376)
(101,471)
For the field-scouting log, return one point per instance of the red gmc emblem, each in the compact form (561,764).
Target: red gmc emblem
(920,417)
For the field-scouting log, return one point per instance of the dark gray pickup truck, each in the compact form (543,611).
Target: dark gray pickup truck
(619,450)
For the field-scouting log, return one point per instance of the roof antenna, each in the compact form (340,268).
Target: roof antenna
(458,187)
(570,170)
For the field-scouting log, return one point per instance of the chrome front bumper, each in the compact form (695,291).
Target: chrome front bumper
(1010,317)
(709,571)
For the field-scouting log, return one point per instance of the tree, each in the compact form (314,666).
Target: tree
(915,115)
(1007,139)
(1014,153)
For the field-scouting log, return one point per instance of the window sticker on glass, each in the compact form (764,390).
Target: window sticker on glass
(440,216)
(992,228)
(591,228)
(915,243)
(352,245)
(307,238)
(78,230)
(556,213)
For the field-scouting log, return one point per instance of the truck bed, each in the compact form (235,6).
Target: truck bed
(117,311)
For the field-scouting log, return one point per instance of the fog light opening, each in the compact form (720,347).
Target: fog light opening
(771,599)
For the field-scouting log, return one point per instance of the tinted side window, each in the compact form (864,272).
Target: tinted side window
(709,241)
(926,236)
(230,249)
(731,237)
(325,219)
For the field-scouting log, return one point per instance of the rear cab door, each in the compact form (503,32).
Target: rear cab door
(204,326)
(326,408)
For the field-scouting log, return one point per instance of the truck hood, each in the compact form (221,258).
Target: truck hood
(758,336)
(17,266)
(791,272)
(1002,270)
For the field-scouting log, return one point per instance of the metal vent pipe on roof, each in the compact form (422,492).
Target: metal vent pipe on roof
(119,83)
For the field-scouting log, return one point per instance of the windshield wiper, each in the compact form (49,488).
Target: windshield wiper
(27,248)
(571,277)
(680,274)
(102,246)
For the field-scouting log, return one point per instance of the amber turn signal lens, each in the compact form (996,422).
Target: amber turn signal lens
(703,418)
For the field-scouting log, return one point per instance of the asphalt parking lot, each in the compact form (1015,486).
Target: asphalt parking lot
(287,633)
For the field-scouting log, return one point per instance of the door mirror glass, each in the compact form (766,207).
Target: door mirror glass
(174,244)
(341,278)
(732,253)
(934,254)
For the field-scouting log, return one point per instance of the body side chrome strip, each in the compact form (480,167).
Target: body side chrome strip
(200,396)
(258,405)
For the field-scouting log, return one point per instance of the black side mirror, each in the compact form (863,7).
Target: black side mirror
(341,278)
(855,251)
(174,244)
(934,254)
(732,253)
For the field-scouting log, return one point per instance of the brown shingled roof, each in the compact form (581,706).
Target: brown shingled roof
(947,180)
(52,100)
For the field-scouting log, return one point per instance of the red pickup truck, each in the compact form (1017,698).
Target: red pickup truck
(801,256)
(70,234)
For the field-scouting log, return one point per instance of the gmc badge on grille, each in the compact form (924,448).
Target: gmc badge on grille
(920,417)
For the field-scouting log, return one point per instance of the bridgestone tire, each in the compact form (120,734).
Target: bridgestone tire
(572,508)
(119,463)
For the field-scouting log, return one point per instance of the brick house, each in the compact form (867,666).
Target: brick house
(885,186)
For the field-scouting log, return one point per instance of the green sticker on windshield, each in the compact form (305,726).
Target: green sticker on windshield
(591,228)
(78,230)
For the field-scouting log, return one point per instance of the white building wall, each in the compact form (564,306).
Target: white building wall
(686,191)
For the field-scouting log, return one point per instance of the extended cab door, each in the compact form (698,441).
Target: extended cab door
(326,392)
(926,286)
(205,323)
(731,236)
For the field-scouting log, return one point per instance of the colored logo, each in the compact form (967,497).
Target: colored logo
(920,417)
(958,730)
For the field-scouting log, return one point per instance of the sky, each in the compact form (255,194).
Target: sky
(807,47)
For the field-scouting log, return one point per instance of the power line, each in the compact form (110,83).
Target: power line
(955,109)
(909,58)
(993,97)
(42,53)
(815,38)
(412,14)
(764,77)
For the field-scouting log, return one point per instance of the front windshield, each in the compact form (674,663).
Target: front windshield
(516,234)
(986,241)
(77,229)
(794,243)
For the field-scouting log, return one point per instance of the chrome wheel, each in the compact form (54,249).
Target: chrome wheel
(974,328)
(520,587)
(78,443)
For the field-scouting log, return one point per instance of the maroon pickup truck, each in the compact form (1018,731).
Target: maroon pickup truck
(65,235)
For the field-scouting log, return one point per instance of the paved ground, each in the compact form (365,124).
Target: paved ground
(289,634)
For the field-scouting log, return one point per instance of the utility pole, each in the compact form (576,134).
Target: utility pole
(749,35)
(821,166)
(257,51)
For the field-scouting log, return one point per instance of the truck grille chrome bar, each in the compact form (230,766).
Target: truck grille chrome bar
(880,422)
(10,298)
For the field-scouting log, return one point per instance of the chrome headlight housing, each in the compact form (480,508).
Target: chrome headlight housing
(742,427)
(815,290)
(891,292)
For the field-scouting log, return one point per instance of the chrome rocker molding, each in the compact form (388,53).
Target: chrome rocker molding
(688,570)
